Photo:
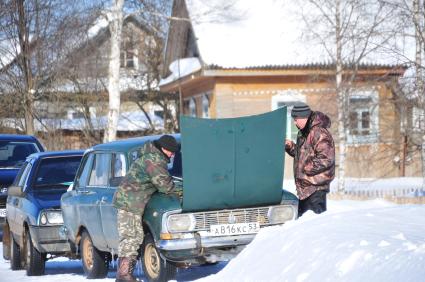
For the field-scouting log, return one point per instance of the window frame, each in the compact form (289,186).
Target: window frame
(86,162)
(372,107)
(23,175)
(124,167)
(108,166)
(288,97)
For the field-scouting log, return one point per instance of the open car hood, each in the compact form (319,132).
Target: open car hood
(234,162)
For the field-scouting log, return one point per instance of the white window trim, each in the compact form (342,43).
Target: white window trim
(287,96)
(205,100)
(192,107)
(373,94)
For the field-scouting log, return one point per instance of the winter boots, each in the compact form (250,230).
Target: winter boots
(125,269)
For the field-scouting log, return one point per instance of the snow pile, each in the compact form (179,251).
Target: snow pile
(353,241)
(128,121)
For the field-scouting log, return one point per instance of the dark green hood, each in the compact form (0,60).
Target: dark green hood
(233,163)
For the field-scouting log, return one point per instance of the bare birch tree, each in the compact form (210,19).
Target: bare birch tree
(35,35)
(358,30)
(115,27)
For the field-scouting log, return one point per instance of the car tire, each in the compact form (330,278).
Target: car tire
(155,268)
(95,262)
(34,260)
(15,254)
(6,241)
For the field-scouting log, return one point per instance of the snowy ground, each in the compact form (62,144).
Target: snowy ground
(353,241)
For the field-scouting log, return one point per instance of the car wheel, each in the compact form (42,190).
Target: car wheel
(34,260)
(6,241)
(95,263)
(15,254)
(154,266)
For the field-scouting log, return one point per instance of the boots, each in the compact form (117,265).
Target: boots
(125,269)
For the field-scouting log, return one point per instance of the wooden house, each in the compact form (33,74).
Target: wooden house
(222,70)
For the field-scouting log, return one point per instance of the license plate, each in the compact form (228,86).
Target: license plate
(234,229)
(2,212)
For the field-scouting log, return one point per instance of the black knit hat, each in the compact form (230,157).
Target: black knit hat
(300,110)
(169,143)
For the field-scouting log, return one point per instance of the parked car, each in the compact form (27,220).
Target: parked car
(34,217)
(226,198)
(13,151)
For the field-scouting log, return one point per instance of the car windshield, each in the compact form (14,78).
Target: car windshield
(13,154)
(58,171)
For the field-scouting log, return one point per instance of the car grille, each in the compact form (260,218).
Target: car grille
(205,219)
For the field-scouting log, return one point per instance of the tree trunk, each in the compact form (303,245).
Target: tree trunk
(418,69)
(341,100)
(115,28)
(25,58)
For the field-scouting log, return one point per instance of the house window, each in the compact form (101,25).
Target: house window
(79,113)
(205,106)
(291,128)
(192,107)
(288,98)
(128,59)
(363,117)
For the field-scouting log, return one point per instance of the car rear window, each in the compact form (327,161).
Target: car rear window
(53,172)
(13,154)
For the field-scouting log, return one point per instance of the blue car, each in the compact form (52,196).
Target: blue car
(34,218)
(13,151)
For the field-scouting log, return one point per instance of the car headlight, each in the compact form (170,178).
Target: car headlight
(280,214)
(51,217)
(3,190)
(181,222)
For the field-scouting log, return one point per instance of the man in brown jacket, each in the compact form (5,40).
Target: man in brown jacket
(314,158)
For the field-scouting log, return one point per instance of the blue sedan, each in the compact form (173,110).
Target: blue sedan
(34,217)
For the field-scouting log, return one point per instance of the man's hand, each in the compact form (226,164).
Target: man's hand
(178,188)
(288,142)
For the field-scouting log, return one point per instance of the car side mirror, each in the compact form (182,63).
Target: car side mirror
(15,191)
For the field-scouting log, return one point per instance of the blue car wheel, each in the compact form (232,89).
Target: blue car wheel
(34,260)
(15,254)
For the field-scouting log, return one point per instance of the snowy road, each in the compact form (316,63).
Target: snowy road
(352,241)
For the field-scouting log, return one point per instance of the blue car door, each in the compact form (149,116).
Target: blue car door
(14,203)
(118,170)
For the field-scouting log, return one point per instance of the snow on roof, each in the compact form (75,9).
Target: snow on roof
(128,121)
(269,32)
(180,68)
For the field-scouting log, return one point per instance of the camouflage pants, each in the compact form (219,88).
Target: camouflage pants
(130,232)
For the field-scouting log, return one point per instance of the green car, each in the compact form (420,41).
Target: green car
(231,171)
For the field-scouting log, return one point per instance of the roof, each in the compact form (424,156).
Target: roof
(265,33)
(268,35)
(127,122)
(125,145)
(51,154)
(310,66)
(16,137)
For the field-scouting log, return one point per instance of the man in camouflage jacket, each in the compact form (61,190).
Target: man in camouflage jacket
(314,158)
(147,175)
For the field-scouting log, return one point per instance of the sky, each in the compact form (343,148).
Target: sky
(353,241)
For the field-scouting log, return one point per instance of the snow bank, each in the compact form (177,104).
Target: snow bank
(353,241)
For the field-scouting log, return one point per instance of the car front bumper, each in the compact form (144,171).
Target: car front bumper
(204,249)
(205,242)
(48,239)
